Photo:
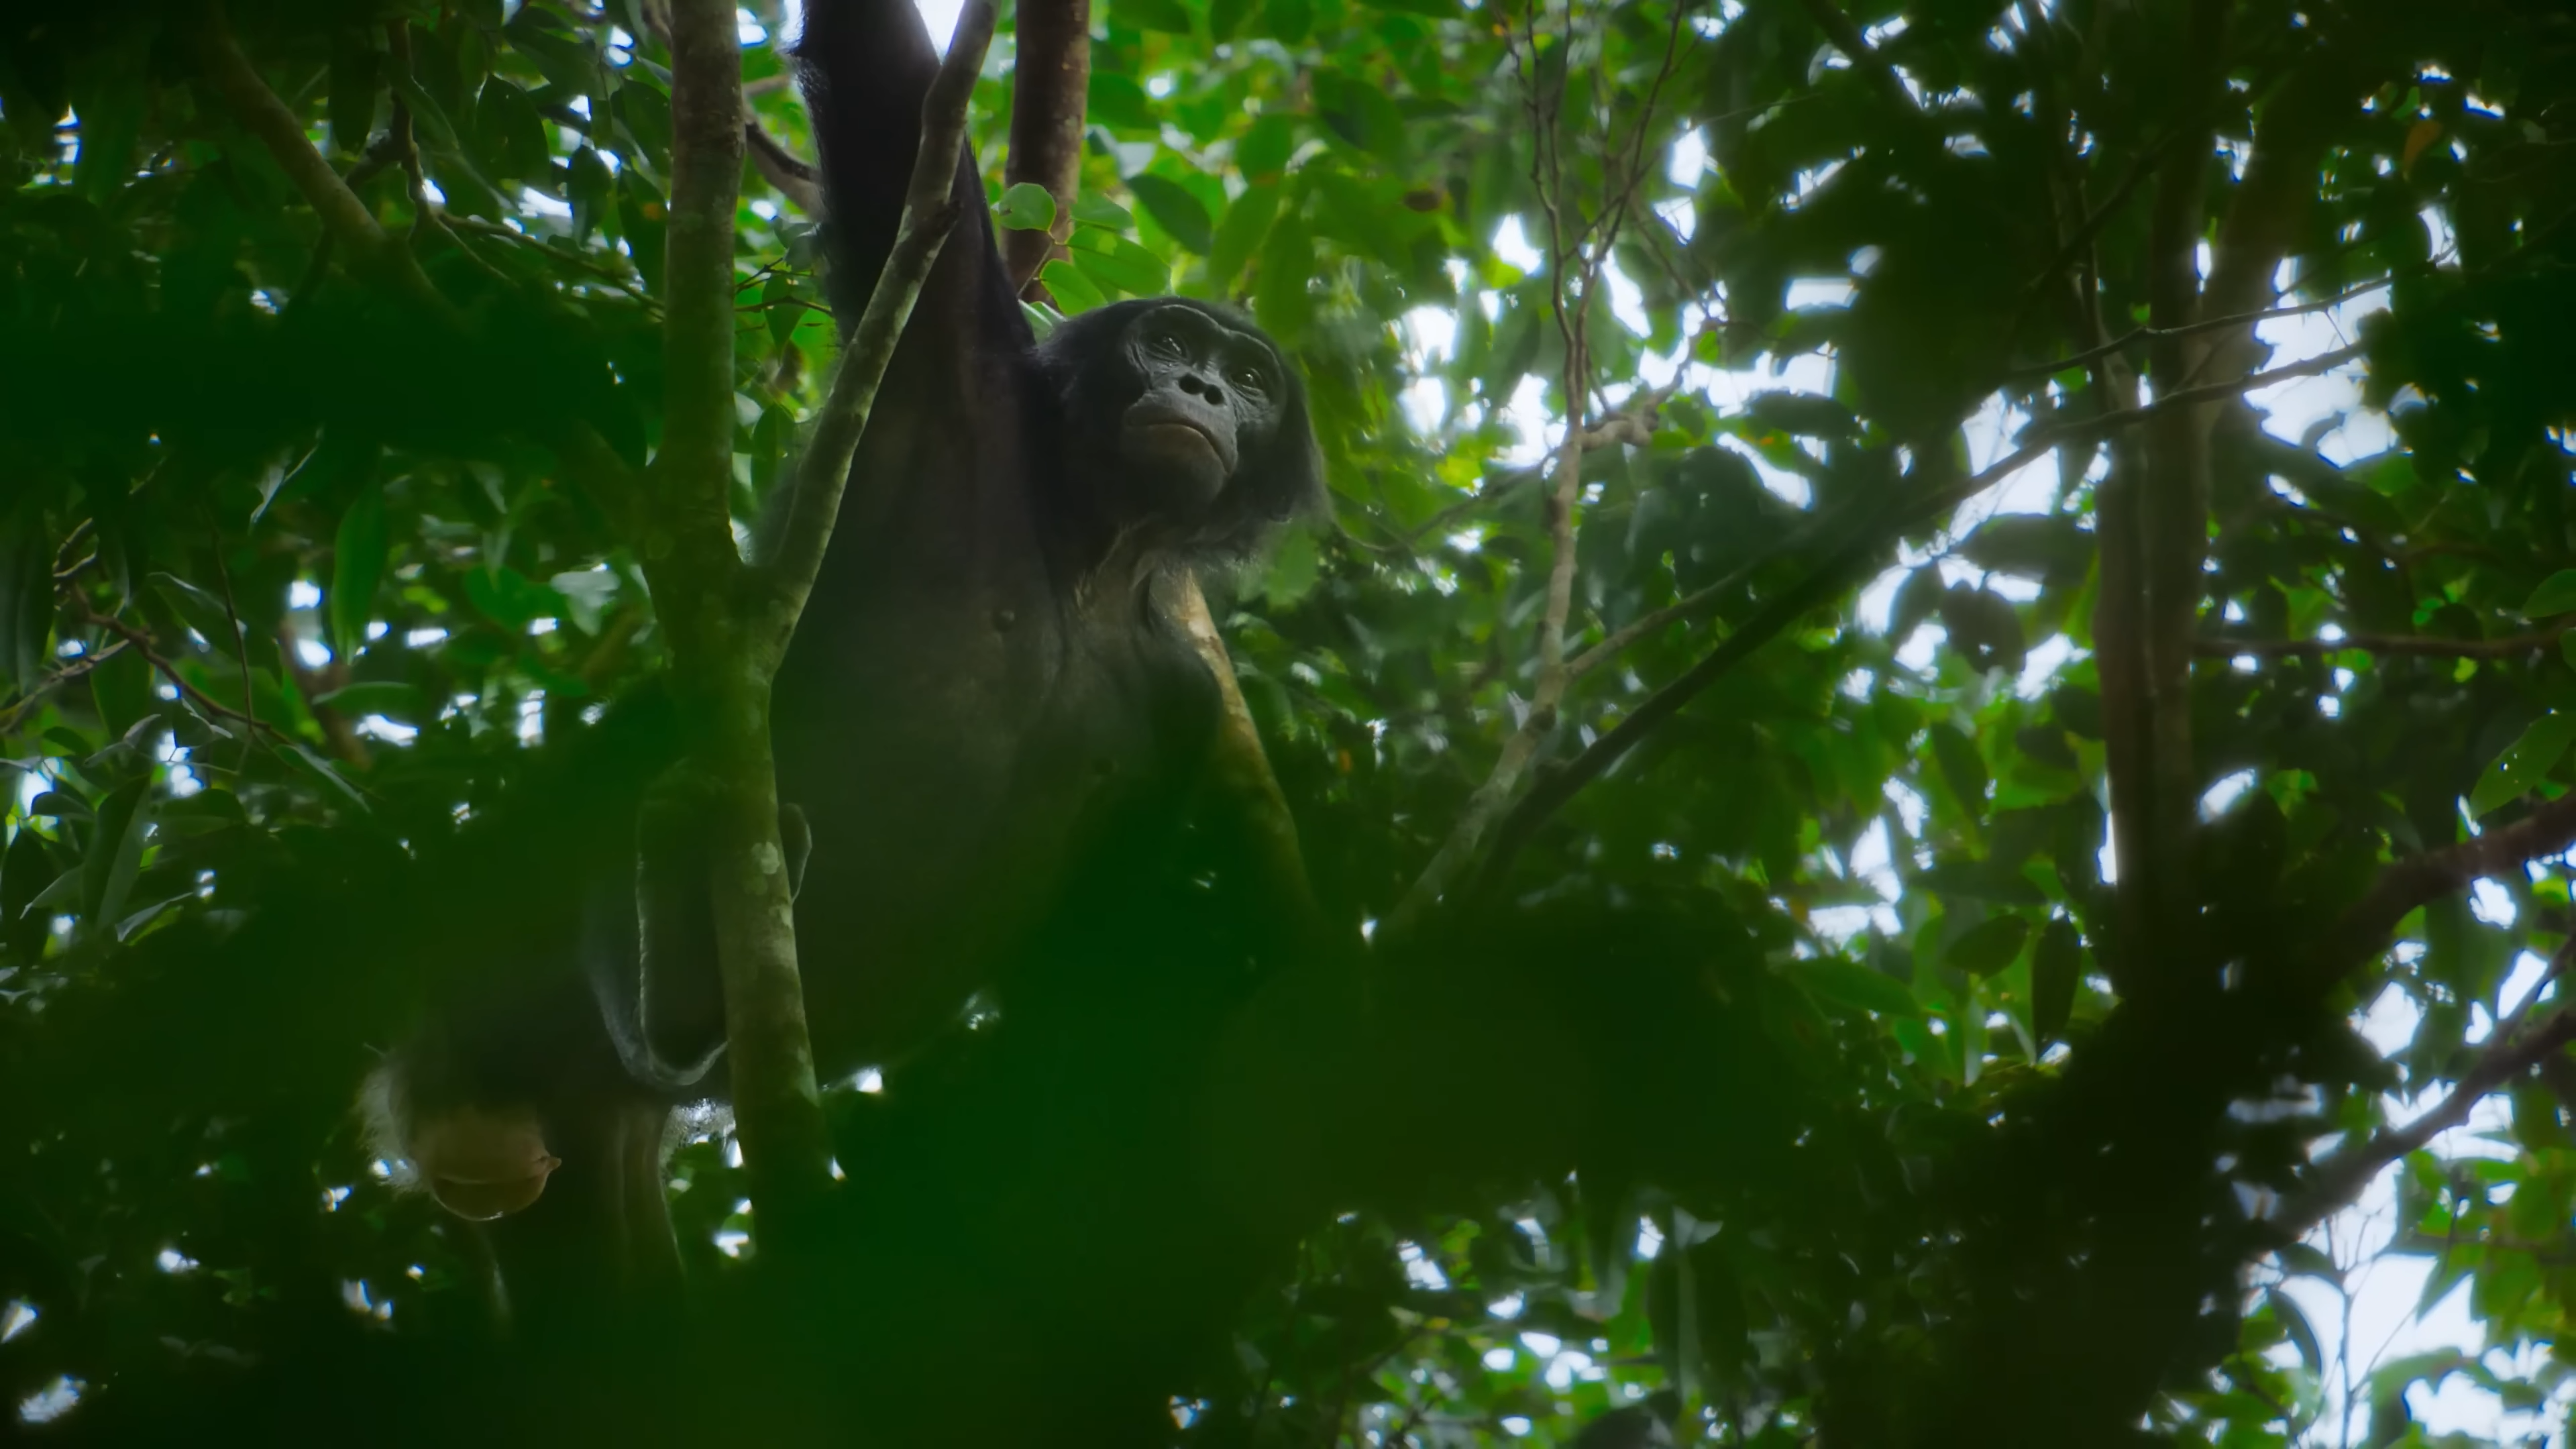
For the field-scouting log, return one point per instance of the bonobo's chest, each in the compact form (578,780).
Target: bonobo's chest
(966,728)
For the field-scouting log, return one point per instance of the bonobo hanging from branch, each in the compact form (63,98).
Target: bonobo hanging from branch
(985,688)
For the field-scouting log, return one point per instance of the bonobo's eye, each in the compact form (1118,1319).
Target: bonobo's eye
(1167,344)
(1244,375)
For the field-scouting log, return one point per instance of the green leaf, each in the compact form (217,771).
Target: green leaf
(1118,102)
(1175,210)
(1264,150)
(1128,267)
(782,301)
(644,220)
(393,700)
(643,110)
(1293,569)
(115,850)
(2055,968)
(1851,984)
(1094,211)
(2556,595)
(358,555)
(2524,763)
(1988,946)
(26,595)
(122,690)
(1289,21)
(200,611)
(593,192)
(354,85)
(1962,768)
(1073,292)
(509,598)
(1279,296)
(1026,206)
(1163,15)
(1246,223)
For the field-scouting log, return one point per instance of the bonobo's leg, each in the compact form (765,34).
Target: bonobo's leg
(599,1240)
(652,952)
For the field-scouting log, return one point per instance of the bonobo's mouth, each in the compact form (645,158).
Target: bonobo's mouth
(1169,430)
(1181,443)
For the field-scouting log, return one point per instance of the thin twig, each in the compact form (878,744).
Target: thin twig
(1586,256)
(241,640)
(142,643)
(499,232)
(36,692)
(2137,335)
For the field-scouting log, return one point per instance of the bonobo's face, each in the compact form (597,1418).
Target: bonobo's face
(1210,395)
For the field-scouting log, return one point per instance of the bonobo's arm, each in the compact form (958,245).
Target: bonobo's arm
(867,66)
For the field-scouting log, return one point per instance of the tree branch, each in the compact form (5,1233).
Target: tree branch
(2362,932)
(1049,87)
(1560,785)
(786,172)
(2136,335)
(720,674)
(2419,644)
(344,217)
(2515,1050)
(1855,46)
(929,214)
(1583,254)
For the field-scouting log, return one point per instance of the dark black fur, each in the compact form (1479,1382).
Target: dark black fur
(985,713)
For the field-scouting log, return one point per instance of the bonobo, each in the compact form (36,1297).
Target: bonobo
(984,691)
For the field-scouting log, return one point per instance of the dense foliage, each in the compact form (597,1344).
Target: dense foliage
(1817,1069)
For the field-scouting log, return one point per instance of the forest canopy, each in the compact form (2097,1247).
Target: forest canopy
(1925,724)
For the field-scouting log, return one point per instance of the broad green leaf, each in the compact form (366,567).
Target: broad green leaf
(1117,101)
(1280,299)
(122,689)
(1989,946)
(1175,210)
(1163,15)
(1293,569)
(26,595)
(592,190)
(1288,21)
(1851,984)
(2556,595)
(115,850)
(355,83)
(392,700)
(1246,224)
(1097,211)
(1026,206)
(2055,968)
(1264,150)
(1073,292)
(1128,267)
(358,554)
(2524,763)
